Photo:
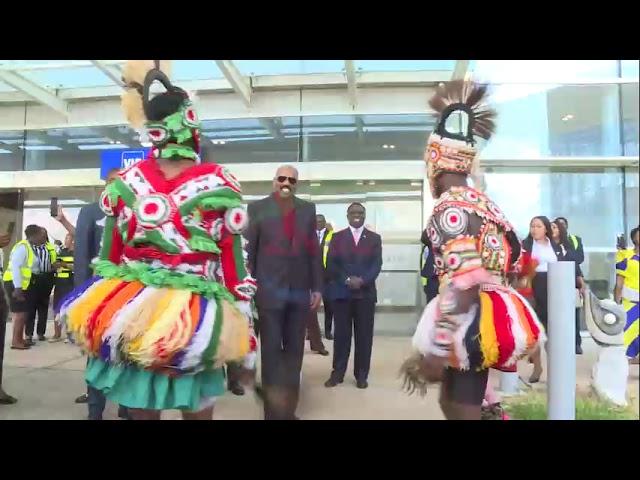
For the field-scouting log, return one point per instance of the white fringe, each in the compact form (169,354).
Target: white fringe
(201,338)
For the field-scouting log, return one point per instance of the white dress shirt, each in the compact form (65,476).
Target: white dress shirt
(321,234)
(544,254)
(357,233)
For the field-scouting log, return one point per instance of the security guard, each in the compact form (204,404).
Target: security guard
(63,282)
(18,281)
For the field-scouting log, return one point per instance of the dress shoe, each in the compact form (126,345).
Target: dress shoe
(322,352)
(236,389)
(6,399)
(332,382)
(42,338)
(29,342)
(328,336)
(84,398)
(362,384)
(578,350)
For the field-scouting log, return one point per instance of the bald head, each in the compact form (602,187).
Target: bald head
(285,181)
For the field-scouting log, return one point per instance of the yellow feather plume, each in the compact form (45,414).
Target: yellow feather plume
(135,71)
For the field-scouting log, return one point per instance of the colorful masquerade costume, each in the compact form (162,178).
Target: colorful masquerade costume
(171,302)
(627,266)
(474,246)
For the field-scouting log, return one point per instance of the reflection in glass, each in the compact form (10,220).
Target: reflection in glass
(282,67)
(81,147)
(630,124)
(541,120)
(590,200)
(11,155)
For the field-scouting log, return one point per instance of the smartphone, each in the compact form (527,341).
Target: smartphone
(621,242)
(11,228)
(54,207)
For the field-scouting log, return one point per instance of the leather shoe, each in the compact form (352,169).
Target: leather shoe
(362,384)
(84,398)
(328,336)
(236,389)
(322,352)
(578,350)
(332,382)
(6,399)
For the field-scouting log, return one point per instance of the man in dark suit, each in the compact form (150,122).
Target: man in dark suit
(284,258)
(325,234)
(428,276)
(88,240)
(353,264)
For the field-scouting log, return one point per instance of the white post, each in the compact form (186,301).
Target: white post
(561,361)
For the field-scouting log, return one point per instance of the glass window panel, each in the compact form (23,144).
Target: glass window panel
(404,65)
(590,200)
(552,71)
(632,197)
(250,140)
(194,70)
(365,137)
(68,78)
(11,155)
(550,120)
(63,148)
(283,67)
(630,68)
(630,124)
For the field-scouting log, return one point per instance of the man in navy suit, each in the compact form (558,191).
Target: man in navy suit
(354,262)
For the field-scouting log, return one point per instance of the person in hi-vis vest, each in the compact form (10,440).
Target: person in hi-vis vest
(18,279)
(63,282)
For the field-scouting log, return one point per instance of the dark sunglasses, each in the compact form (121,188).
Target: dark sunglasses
(292,180)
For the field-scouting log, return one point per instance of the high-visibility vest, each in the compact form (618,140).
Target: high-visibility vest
(574,240)
(24,270)
(325,250)
(66,257)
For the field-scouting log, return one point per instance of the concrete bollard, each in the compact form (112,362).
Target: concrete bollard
(561,361)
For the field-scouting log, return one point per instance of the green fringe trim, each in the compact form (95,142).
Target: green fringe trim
(161,278)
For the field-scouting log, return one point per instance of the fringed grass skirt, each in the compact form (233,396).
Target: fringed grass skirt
(497,332)
(149,347)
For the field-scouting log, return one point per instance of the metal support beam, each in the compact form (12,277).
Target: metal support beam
(239,82)
(272,127)
(111,71)
(460,70)
(350,70)
(35,91)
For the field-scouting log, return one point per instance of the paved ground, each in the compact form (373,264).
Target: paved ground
(47,378)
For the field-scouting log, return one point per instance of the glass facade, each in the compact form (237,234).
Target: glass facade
(548,111)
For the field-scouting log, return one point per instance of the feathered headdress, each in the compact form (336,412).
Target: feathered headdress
(134,74)
(456,152)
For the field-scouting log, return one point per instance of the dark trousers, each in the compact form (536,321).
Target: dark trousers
(313,333)
(4,315)
(39,294)
(96,402)
(354,315)
(282,334)
(578,337)
(328,315)
(540,297)
(431,289)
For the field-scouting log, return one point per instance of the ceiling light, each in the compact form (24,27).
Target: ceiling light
(2,150)
(359,182)
(567,117)
(39,147)
(385,146)
(106,146)
(392,146)
(146,144)
(314,184)
(372,182)
(218,142)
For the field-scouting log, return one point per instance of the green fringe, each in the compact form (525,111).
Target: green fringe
(161,278)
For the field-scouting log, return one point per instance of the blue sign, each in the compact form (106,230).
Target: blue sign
(120,159)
